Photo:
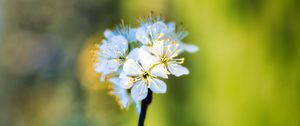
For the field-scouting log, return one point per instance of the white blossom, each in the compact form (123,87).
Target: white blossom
(135,60)
(143,75)
(165,53)
(150,33)
(112,55)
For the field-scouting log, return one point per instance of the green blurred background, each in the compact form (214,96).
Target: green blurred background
(246,73)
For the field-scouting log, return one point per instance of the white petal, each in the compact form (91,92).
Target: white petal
(106,51)
(115,81)
(131,35)
(145,48)
(146,59)
(144,25)
(111,66)
(139,91)
(158,86)
(132,68)
(172,49)
(126,82)
(160,70)
(107,66)
(137,106)
(119,44)
(99,67)
(158,48)
(122,96)
(104,41)
(189,47)
(142,36)
(125,101)
(177,70)
(134,54)
(108,34)
(158,29)
(172,26)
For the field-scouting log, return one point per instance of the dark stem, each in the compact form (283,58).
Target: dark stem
(145,103)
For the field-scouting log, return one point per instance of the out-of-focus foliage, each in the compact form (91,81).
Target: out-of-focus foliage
(247,72)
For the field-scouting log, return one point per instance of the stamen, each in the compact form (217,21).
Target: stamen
(164,59)
(136,79)
(179,60)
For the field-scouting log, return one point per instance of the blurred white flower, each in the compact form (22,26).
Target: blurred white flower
(112,54)
(150,34)
(125,31)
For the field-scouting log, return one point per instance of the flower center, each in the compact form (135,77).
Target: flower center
(122,58)
(145,75)
(164,59)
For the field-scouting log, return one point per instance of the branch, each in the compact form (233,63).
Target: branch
(145,103)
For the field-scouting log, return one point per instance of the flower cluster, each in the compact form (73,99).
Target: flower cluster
(135,60)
